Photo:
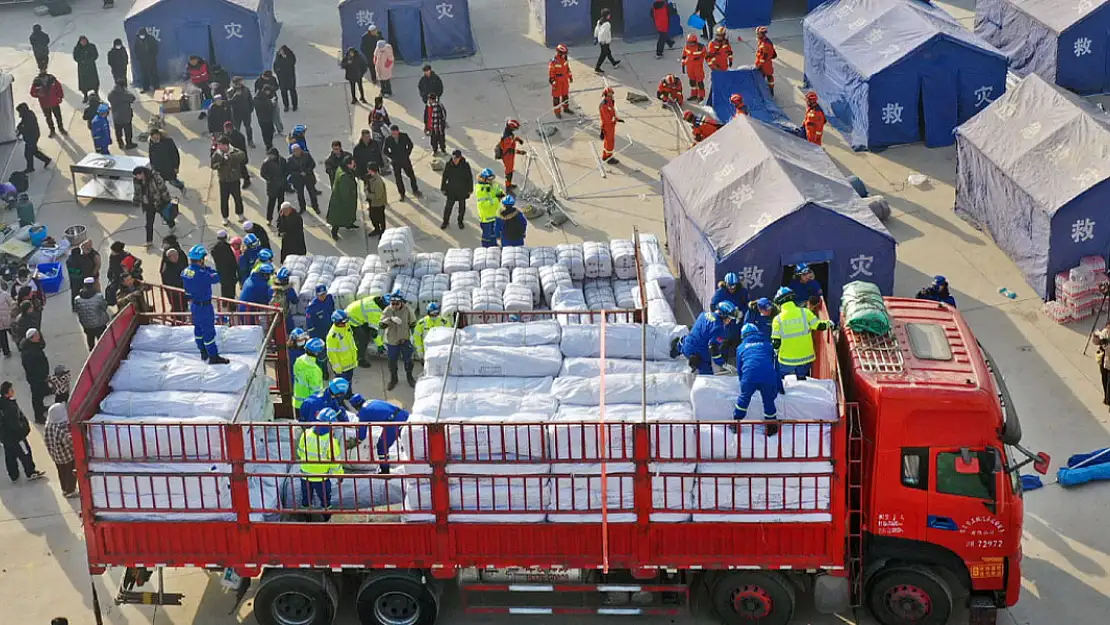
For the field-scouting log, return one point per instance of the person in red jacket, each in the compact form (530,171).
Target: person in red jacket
(609,119)
(693,65)
(48,91)
(765,55)
(719,51)
(738,102)
(560,77)
(704,126)
(815,119)
(506,149)
(661,16)
(198,75)
(670,90)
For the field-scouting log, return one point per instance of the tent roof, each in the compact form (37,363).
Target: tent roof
(874,34)
(141,6)
(1059,15)
(749,175)
(1050,142)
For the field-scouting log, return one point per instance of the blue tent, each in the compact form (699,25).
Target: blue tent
(752,13)
(242,33)
(750,83)
(879,65)
(418,29)
(1032,169)
(637,20)
(752,199)
(1063,44)
(564,22)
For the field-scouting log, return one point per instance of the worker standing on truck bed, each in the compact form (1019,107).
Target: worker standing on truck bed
(755,364)
(318,313)
(702,346)
(792,335)
(198,281)
(761,313)
(319,453)
(308,377)
(379,411)
(332,397)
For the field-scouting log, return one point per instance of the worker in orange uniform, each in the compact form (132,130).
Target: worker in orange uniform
(815,119)
(506,149)
(704,126)
(693,65)
(609,119)
(738,102)
(719,51)
(670,90)
(765,55)
(560,77)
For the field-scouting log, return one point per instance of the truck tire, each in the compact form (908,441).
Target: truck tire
(295,598)
(396,600)
(744,597)
(909,595)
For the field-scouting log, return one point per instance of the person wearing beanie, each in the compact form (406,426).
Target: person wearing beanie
(92,312)
(36,366)
(226,264)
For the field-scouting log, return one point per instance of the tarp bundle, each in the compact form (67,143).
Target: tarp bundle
(864,310)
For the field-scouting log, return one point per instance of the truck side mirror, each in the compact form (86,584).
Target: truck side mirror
(967,464)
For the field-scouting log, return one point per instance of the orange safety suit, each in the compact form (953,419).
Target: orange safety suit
(609,119)
(704,128)
(765,54)
(508,145)
(693,63)
(560,77)
(815,124)
(719,52)
(670,91)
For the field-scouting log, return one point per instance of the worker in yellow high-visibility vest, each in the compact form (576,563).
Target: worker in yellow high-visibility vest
(342,353)
(432,320)
(364,315)
(791,334)
(320,452)
(308,377)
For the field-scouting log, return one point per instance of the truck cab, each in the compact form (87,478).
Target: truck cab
(941,497)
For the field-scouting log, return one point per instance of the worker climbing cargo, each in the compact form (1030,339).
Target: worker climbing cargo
(765,56)
(197,280)
(755,364)
(703,345)
(377,411)
(608,112)
(320,452)
(670,90)
(805,286)
(792,335)
(703,125)
(693,65)
(719,51)
(560,77)
(739,108)
(506,149)
(815,119)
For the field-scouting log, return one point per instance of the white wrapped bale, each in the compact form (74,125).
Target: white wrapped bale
(599,295)
(486,258)
(517,298)
(542,257)
(599,264)
(661,273)
(574,433)
(348,266)
(651,253)
(297,265)
(490,301)
(375,284)
(513,257)
(526,334)
(568,299)
(530,278)
(624,292)
(623,253)
(372,264)
(427,264)
(570,255)
(432,288)
(177,373)
(492,361)
(516,386)
(624,388)
(401,270)
(409,287)
(553,277)
(465,280)
(622,340)
(344,289)
(495,279)
(457,259)
(659,312)
(587,367)
(454,301)
(811,399)
(396,246)
(230,339)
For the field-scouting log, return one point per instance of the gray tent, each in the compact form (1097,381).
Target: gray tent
(7,109)
(754,200)
(1032,169)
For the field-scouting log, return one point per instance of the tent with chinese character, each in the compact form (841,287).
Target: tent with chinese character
(1064,42)
(897,71)
(418,29)
(1032,170)
(752,13)
(565,21)
(240,35)
(749,83)
(754,200)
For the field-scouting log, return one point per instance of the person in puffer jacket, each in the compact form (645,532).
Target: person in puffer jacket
(702,346)
(755,364)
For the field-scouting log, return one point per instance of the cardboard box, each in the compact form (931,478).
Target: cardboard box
(171,100)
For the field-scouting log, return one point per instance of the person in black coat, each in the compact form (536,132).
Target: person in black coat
(14,429)
(335,160)
(291,230)
(265,109)
(285,67)
(173,263)
(457,185)
(267,79)
(303,177)
(219,114)
(398,148)
(274,171)
(430,84)
(118,61)
(369,42)
(225,264)
(36,366)
(85,55)
(146,59)
(165,157)
(239,142)
(28,130)
(705,10)
(366,152)
(354,66)
(242,107)
(40,46)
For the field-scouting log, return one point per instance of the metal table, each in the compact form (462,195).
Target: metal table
(110,176)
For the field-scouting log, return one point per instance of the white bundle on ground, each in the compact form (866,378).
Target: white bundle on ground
(375,284)
(465,280)
(564,299)
(575,432)
(344,289)
(427,264)
(599,263)
(432,288)
(599,295)
(348,266)
(518,298)
(624,293)
(230,339)
(623,388)
(542,257)
(794,440)
(521,497)
(570,255)
(180,374)
(495,279)
(622,340)
(456,300)
(486,258)
(650,250)
(811,399)
(430,385)
(396,246)
(497,334)
(457,259)
(494,436)
(659,310)
(372,264)
(553,277)
(495,361)
(661,273)
(530,278)
(623,253)
(490,301)
(740,487)
(591,367)
(513,257)
(401,270)
(408,286)
(577,494)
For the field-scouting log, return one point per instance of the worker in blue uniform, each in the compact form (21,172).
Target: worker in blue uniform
(761,313)
(755,364)
(731,289)
(805,285)
(265,255)
(334,397)
(938,292)
(197,280)
(283,296)
(379,411)
(318,313)
(256,289)
(702,346)
(251,247)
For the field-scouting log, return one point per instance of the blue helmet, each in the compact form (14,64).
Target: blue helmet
(508,200)
(802,268)
(340,316)
(433,309)
(266,268)
(265,255)
(784,294)
(357,400)
(283,274)
(315,347)
(297,334)
(514,318)
(486,173)
(339,386)
(732,280)
(940,280)
(300,129)
(726,309)
(763,303)
(251,241)
(321,288)
(324,419)
(103,108)
(396,295)
(197,252)
(749,329)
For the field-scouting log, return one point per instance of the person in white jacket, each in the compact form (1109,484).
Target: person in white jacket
(603,33)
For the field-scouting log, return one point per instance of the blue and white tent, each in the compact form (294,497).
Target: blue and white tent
(419,29)
(752,13)
(898,71)
(1063,41)
(1032,169)
(565,22)
(240,34)
(753,199)
(750,83)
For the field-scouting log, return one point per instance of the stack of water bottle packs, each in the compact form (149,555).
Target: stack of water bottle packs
(1079,291)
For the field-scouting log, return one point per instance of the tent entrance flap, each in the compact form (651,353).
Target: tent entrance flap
(406,33)
(939,104)
(195,38)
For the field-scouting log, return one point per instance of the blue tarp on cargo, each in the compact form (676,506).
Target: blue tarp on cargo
(431,29)
(242,33)
(879,65)
(750,83)
(752,13)
(752,199)
(563,22)
(1063,43)
(1032,170)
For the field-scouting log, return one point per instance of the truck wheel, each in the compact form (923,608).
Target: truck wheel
(296,598)
(746,597)
(909,595)
(396,600)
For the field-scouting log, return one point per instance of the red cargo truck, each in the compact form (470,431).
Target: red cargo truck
(921,510)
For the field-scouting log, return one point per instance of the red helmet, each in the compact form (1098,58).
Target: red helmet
(607,91)
(762,30)
(691,38)
(811,96)
(736,99)
(688,116)
(512,123)
(561,49)
(670,78)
